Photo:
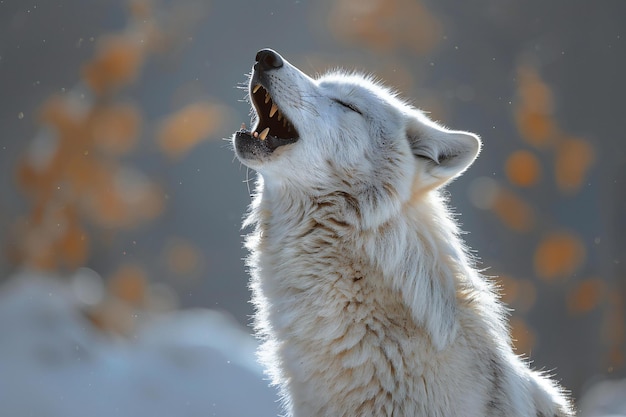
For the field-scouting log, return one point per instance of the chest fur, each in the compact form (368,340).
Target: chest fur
(338,334)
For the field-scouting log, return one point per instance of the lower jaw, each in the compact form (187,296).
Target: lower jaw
(261,142)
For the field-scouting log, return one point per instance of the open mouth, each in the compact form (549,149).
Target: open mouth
(273,128)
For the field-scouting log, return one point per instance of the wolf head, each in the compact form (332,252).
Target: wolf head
(344,132)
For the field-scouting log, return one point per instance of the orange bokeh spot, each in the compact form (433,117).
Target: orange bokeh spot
(50,238)
(522,169)
(116,128)
(527,296)
(586,296)
(44,259)
(520,294)
(533,113)
(385,24)
(118,61)
(36,247)
(534,93)
(616,357)
(115,316)
(182,257)
(105,206)
(73,246)
(140,9)
(574,158)
(31,179)
(523,336)
(121,197)
(65,117)
(150,202)
(614,326)
(513,211)
(184,129)
(559,255)
(82,171)
(538,129)
(129,284)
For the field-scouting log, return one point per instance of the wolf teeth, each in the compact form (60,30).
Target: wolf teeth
(256,88)
(280,116)
(267,98)
(273,110)
(264,133)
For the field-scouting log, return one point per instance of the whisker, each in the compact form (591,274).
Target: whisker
(248,180)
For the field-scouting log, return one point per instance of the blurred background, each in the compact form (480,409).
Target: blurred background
(122,285)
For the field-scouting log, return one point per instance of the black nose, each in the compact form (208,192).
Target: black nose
(266,60)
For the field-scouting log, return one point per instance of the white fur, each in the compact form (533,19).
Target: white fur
(367,301)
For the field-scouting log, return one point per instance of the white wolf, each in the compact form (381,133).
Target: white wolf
(367,300)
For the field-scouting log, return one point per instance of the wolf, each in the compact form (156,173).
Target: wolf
(366,299)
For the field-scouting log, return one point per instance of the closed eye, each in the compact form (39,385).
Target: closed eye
(348,106)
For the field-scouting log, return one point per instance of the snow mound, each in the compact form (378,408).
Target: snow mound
(53,363)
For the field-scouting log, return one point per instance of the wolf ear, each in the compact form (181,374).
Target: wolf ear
(447,153)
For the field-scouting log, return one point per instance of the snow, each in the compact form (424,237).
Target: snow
(54,363)
(604,399)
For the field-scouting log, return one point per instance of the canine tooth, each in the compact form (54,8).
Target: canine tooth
(267,98)
(256,88)
(264,133)
(273,110)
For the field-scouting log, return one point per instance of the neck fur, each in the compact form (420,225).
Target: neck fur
(315,268)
